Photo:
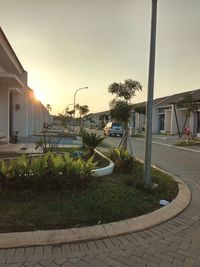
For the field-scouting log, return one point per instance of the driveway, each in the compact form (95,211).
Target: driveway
(173,243)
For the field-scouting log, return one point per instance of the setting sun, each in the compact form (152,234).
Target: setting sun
(39,95)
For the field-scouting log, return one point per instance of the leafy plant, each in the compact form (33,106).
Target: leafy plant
(47,144)
(49,171)
(91,140)
(122,159)
(121,105)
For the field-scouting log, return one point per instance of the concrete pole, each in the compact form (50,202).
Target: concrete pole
(148,138)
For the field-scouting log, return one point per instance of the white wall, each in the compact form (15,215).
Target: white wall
(4,111)
(20,117)
(155,121)
(168,121)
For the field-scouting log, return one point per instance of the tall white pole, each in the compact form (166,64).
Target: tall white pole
(148,138)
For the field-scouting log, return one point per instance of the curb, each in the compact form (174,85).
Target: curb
(104,170)
(173,146)
(50,237)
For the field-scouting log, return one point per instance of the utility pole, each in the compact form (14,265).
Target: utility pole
(148,138)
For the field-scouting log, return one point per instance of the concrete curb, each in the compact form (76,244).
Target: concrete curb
(173,146)
(105,170)
(38,238)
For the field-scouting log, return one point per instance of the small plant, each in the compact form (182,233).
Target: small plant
(49,171)
(122,159)
(91,140)
(14,137)
(47,145)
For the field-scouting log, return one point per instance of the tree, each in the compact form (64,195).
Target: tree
(49,108)
(83,110)
(70,113)
(140,108)
(190,105)
(121,105)
(125,90)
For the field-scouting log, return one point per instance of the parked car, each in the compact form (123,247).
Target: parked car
(113,128)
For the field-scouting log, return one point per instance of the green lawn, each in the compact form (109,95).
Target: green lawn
(107,199)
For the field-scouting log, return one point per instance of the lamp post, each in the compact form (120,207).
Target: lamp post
(75,99)
(148,138)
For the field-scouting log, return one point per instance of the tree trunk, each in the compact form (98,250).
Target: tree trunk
(124,141)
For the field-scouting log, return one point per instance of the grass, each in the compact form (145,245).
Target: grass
(193,142)
(107,199)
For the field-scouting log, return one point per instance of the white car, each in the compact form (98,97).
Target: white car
(113,128)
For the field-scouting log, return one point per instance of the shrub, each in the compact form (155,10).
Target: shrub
(49,171)
(122,159)
(47,144)
(91,140)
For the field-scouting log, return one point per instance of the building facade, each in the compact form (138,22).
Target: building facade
(169,116)
(19,110)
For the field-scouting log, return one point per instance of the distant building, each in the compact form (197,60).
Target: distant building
(19,110)
(98,119)
(168,116)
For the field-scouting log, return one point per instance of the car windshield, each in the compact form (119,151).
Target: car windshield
(116,124)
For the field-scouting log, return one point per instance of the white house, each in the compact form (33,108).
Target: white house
(169,117)
(19,110)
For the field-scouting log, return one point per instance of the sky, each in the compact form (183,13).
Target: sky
(68,44)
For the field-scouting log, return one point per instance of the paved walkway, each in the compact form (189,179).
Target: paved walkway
(173,243)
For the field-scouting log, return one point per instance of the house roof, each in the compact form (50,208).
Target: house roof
(4,40)
(172,99)
(107,112)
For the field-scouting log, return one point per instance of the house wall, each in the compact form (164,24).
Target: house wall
(20,116)
(4,111)
(155,121)
(168,121)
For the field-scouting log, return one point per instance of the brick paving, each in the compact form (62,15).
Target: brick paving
(173,243)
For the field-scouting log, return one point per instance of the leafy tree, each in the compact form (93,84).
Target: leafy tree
(190,106)
(83,110)
(70,113)
(91,140)
(120,110)
(49,108)
(140,108)
(121,105)
(125,90)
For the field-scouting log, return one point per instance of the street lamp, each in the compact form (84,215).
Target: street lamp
(148,138)
(75,98)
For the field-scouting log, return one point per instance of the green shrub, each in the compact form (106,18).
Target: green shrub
(47,144)
(91,140)
(122,159)
(49,171)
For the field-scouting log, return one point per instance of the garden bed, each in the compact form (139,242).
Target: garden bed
(101,200)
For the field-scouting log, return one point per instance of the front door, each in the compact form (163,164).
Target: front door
(161,121)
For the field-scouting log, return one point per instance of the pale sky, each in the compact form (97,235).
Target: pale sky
(68,44)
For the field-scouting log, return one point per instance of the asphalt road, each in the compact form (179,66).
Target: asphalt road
(181,162)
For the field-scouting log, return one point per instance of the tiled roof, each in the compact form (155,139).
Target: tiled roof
(169,100)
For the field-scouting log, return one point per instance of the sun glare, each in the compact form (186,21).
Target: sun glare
(39,95)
